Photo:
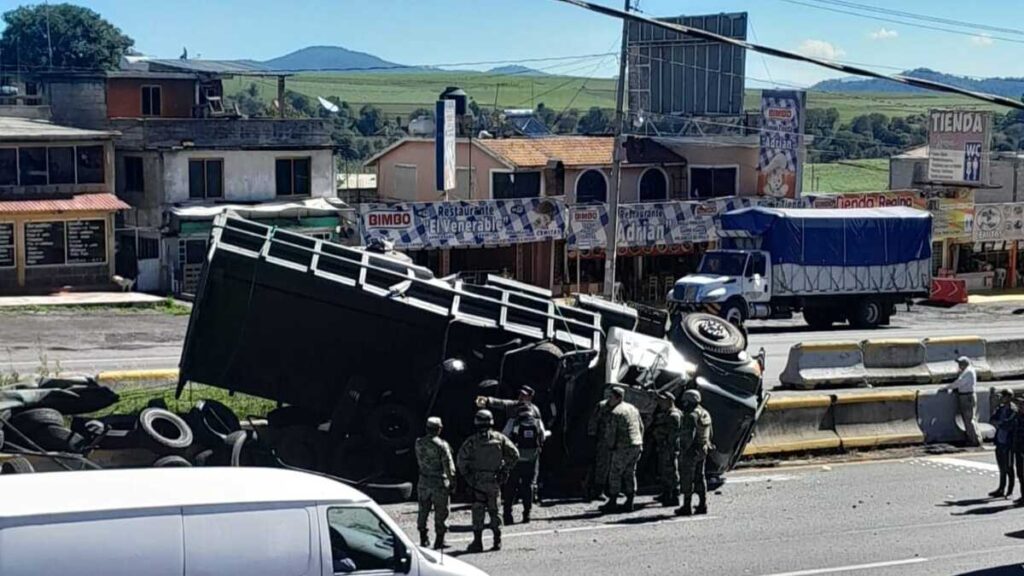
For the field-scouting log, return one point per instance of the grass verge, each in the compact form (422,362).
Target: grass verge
(168,306)
(133,400)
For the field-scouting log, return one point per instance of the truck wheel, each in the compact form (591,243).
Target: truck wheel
(866,314)
(819,318)
(713,335)
(734,313)
(16,465)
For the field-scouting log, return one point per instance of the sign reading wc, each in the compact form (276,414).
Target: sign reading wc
(958,146)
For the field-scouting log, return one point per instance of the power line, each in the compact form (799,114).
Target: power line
(711,36)
(902,22)
(924,17)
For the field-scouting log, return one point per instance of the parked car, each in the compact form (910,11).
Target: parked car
(201,521)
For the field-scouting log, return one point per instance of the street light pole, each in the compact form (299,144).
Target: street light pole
(611,250)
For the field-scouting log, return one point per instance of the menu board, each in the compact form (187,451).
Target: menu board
(87,241)
(44,243)
(6,244)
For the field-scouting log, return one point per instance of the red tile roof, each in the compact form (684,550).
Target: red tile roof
(80,203)
(536,152)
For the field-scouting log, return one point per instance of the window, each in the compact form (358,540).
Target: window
(462,189)
(205,178)
(195,251)
(361,541)
(134,177)
(756,265)
(149,248)
(653,186)
(8,166)
(32,166)
(591,187)
(712,182)
(293,176)
(151,101)
(90,164)
(62,165)
(515,185)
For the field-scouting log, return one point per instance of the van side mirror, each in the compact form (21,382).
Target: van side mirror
(403,557)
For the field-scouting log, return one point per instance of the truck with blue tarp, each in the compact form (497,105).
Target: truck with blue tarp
(833,265)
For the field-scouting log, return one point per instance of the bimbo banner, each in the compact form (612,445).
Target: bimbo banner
(779,169)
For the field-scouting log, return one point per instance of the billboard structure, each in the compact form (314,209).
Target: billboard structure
(779,165)
(673,74)
(958,147)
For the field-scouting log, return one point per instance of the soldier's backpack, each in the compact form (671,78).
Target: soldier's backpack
(526,431)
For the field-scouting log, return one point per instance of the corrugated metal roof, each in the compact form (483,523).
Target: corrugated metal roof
(19,129)
(81,203)
(209,66)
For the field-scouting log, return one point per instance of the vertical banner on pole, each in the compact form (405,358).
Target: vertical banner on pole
(444,145)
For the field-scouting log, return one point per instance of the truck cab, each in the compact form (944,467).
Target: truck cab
(729,283)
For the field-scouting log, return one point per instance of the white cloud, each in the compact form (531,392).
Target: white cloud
(982,40)
(884,33)
(820,49)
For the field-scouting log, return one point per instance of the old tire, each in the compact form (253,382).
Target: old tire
(212,422)
(866,314)
(172,461)
(713,335)
(16,465)
(28,420)
(299,446)
(734,313)
(236,449)
(392,425)
(203,458)
(56,439)
(164,432)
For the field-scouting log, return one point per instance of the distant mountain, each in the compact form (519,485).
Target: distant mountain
(517,70)
(329,58)
(1009,87)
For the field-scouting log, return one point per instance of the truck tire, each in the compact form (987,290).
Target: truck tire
(820,318)
(713,335)
(734,312)
(164,432)
(392,425)
(172,461)
(866,314)
(212,422)
(16,465)
(26,421)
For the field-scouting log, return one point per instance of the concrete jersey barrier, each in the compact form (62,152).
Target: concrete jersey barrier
(795,424)
(820,364)
(1005,358)
(941,355)
(877,419)
(895,361)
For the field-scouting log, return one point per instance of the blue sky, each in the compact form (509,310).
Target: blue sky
(448,31)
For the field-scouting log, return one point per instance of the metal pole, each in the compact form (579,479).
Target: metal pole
(611,250)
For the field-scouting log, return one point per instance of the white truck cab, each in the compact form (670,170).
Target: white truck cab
(729,283)
(202,522)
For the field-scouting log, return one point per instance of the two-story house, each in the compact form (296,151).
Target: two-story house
(183,156)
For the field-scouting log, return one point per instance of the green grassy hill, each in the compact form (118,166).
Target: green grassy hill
(397,94)
(848,176)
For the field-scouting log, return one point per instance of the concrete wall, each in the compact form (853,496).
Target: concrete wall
(80,102)
(147,205)
(124,97)
(420,153)
(744,157)
(249,175)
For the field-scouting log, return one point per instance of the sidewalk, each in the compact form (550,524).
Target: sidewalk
(81,299)
(995,298)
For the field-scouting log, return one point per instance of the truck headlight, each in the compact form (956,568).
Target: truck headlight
(715,293)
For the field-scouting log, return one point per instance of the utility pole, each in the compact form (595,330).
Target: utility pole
(611,250)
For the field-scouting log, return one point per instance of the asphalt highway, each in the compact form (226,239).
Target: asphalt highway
(919,515)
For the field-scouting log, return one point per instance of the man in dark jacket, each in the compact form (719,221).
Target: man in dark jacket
(1017,446)
(1004,418)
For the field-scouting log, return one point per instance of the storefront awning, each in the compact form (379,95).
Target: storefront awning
(79,203)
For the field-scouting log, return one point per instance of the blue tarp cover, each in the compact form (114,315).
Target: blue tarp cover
(837,237)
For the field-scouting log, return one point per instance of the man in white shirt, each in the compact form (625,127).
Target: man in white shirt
(966,399)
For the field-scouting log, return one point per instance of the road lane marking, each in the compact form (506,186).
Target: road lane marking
(594,527)
(753,479)
(986,466)
(851,567)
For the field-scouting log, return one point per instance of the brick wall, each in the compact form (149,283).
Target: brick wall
(57,276)
(124,97)
(79,102)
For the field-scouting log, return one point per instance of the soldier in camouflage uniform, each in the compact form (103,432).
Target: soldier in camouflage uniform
(665,428)
(596,430)
(484,460)
(694,446)
(437,476)
(624,438)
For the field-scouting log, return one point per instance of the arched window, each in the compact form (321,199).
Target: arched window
(653,185)
(591,186)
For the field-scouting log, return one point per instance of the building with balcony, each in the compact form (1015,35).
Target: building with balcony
(179,146)
(57,207)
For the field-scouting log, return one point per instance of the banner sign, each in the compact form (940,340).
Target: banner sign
(1001,222)
(444,145)
(779,169)
(464,224)
(587,223)
(952,211)
(958,146)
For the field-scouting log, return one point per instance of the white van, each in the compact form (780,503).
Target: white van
(201,522)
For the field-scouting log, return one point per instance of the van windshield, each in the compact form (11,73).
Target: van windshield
(723,263)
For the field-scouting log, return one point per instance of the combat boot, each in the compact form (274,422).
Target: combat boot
(670,501)
(477,545)
(506,517)
(611,506)
(526,515)
(628,506)
(684,510)
(439,541)
(424,539)
(497,539)
(702,506)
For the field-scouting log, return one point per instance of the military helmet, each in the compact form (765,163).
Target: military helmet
(483,418)
(692,396)
(433,424)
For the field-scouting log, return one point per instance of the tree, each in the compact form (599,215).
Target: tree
(300,103)
(595,121)
(417,113)
(78,37)
(567,122)
(371,120)
(249,102)
(546,115)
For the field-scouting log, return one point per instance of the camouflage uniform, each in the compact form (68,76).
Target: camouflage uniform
(694,445)
(483,457)
(665,429)
(437,472)
(624,439)
(597,427)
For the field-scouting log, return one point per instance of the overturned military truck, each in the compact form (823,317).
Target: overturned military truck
(359,346)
